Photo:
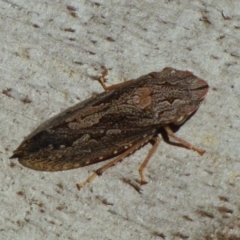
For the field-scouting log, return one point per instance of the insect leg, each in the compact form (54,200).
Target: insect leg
(145,162)
(183,142)
(114,161)
(102,81)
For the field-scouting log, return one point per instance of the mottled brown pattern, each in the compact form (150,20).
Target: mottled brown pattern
(110,123)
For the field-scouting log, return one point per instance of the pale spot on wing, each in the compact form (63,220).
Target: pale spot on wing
(76,165)
(67,166)
(113,131)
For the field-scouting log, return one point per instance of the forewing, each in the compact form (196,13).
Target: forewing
(91,147)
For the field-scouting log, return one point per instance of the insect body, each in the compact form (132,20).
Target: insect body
(114,123)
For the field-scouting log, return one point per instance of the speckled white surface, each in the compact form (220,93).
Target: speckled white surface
(50,56)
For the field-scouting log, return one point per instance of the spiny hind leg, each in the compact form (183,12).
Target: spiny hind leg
(114,162)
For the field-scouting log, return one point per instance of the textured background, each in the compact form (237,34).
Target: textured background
(51,53)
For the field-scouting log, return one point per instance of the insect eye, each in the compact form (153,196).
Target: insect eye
(180,120)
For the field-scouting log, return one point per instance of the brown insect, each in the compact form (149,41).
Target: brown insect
(115,123)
